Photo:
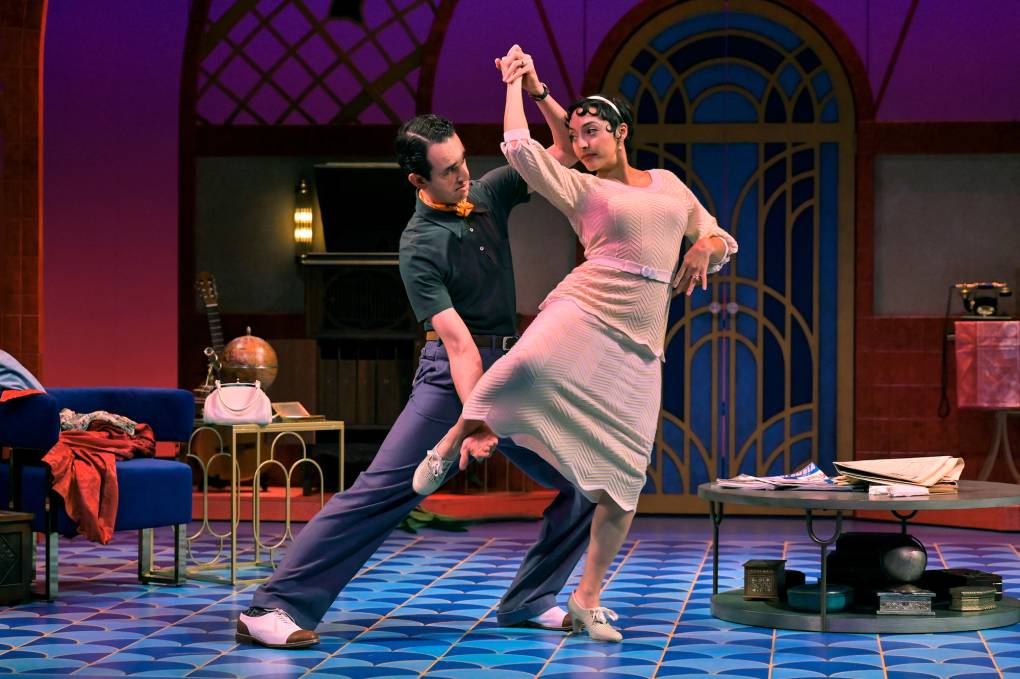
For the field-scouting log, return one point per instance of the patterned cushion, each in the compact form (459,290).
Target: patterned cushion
(170,412)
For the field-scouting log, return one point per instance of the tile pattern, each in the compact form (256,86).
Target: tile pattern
(426,605)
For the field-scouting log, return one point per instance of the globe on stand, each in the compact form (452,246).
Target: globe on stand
(248,359)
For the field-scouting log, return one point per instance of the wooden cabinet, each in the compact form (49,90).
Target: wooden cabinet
(367,338)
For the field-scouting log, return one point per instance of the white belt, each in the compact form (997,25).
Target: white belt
(644,271)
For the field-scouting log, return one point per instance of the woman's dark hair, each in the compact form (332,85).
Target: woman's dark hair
(597,107)
(414,138)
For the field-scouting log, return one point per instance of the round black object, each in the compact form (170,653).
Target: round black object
(905,563)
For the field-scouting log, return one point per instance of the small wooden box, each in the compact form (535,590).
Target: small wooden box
(16,547)
(972,598)
(976,578)
(764,579)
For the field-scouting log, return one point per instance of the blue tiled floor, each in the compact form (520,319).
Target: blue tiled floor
(426,605)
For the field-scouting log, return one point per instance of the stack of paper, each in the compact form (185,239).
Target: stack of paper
(896,490)
(939,473)
(809,477)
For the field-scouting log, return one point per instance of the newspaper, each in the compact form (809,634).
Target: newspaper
(937,472)
(809,477)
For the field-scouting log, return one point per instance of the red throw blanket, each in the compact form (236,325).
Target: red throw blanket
(84,470)
(11,394)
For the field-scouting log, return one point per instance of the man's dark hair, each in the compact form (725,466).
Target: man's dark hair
(414,138)
(596,107)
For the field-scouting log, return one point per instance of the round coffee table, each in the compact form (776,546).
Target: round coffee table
(731,605)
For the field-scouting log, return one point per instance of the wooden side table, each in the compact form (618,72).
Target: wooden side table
(280,430)
(16,547)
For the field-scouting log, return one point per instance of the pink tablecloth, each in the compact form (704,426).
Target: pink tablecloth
(988,364)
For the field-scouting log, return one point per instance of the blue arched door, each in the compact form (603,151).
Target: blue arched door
(751,108)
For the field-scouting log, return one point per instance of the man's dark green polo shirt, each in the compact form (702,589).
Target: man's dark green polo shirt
(464,262)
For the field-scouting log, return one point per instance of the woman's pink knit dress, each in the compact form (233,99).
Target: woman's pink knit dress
(582,387)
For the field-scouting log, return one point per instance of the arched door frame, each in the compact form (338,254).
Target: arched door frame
(855,279)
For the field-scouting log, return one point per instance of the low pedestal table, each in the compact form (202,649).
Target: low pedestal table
(731,605)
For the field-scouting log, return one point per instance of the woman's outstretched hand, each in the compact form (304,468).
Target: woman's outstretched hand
(694,269)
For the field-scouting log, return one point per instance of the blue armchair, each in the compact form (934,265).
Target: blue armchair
(153,492)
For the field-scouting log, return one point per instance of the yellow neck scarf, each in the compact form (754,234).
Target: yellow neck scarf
(462,207)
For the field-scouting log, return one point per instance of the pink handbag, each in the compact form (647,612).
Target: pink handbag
(237,403)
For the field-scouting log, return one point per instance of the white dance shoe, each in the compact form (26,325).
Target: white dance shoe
(431,473)
(273,628)
(594,620)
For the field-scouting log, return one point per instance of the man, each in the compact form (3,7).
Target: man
(456,265)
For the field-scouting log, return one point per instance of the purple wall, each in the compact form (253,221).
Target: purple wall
(959,61)
(111,91)
(111,84)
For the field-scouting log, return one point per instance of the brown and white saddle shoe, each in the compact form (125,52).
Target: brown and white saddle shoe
(273,628)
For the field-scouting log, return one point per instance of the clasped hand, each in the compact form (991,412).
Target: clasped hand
(516,63)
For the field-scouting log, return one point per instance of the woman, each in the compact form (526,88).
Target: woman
(582,387)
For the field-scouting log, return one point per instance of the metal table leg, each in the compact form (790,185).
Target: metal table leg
(715,509)
(823,581)
(903,519)
(235,499)
(1000,440)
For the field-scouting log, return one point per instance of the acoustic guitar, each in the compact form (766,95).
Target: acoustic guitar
(206,286)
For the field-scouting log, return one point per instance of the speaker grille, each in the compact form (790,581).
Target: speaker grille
(366,298)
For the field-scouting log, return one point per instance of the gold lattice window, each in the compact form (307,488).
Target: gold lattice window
(288,62)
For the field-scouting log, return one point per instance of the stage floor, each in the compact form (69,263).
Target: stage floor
(426,604)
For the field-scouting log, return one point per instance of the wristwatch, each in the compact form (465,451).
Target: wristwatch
(542,95)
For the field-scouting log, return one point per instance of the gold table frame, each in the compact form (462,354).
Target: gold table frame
(197,570)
